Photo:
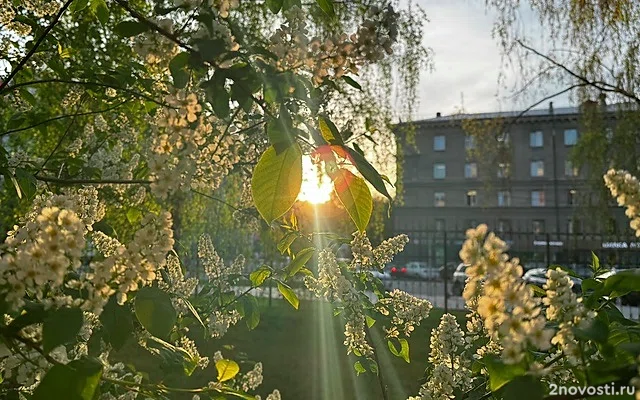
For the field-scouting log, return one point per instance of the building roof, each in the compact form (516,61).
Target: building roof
(541,112)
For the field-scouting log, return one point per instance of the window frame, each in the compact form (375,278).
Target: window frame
(444,169)
(575,138)
(533,135)
(436,200)
(472,198)
(537,169)
(501,193)
(444,143)
(467,168)
(541,196)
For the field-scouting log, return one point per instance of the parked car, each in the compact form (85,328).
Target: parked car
(458,279)
(538,277)
(384,274)
(420,270)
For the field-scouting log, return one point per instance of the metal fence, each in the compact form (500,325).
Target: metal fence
(439,248)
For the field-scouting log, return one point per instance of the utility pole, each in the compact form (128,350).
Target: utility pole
(555,168)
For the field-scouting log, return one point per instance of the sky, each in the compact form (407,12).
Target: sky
(466,59)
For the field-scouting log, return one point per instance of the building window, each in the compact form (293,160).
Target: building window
(469,142)
(440,225)
(535,139)
(573,226)
(471,170)
(570,170)
(538,225)
(439,171)
(472,223)
(537,198)
(570,137)
(537,168)
(439,143)
(472,198)
(439,199)
(504,198)
(504,225)
(572,197)
(504,170)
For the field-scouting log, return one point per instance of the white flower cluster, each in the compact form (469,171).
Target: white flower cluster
(39,254)
(178,284)
(188,152)
(216,272)
(338,55)
(507,306)
(275,395)
(335,287)
(451,369)
(626,188)
(565,308)
(408,311)
(365,256)
(190,347)
(128,267)
(40,8)
(252,379)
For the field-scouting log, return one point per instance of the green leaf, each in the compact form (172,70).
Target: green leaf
(368,171)
(289,294)
(622,283)
(154,311)
(134,216)
(130,28)
(327,7)
(251,311)
(227,369)
(595,263)
(27,183)
(329,131)
(274,5)
(404,350)
(78,5)
(524,388)
(276,181)
(359,368)
(260,275)
(77,380)
(370,321)
(195,313)
(393,349)
(178,71)
(280,130)
(354,194)
(61,327)
(101,11)
(117,323)
(285,243)
(287,4)
(500,373)
(597,330)
(301,259)
(35,314)
(351,81)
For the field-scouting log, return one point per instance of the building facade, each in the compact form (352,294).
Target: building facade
(532,193)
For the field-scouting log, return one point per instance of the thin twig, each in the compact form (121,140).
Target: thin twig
(46,121)
(31,52)
(71,182)
(64,135)
(85,83)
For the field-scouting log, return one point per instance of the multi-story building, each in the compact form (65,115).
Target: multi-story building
(522,183)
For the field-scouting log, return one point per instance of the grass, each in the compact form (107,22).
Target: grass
(303,356)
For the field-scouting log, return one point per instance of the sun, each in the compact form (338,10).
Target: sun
(314,190)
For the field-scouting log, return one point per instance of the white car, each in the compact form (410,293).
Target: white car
(419,269)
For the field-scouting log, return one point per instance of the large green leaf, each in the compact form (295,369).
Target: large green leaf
(327,7)
(260,275)
(130,28)
(276,181)
(355,195)
(77,380)
(500,373)
(622,283)
(368,171)
(274,5)
(227,369)
(524,388)
(61,327)
(154,311)
(329,131)
(117,323)
(300,260)
(289,294)
(177,67)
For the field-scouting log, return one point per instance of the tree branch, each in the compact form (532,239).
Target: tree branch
(39,41)
(71,182)
(603,86)
(84,83)
(64,116)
